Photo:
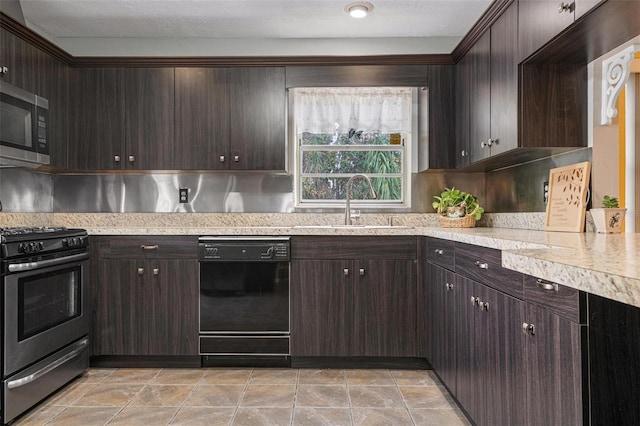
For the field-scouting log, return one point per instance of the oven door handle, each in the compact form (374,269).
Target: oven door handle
(30,266)
(82,345)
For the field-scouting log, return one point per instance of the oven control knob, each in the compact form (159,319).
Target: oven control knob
(23,248)
(40,246)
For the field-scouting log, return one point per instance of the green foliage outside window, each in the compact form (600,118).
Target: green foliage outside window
(341,158)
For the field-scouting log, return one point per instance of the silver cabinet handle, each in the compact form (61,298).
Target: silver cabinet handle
(474,300)
(485,307)
(132,158)
(362,272)
(345,272)
(482,265)
(463,153)
(528,329)
(156,271)
(483,144)
(449,286)
(81,346)
(140,271)
(4,70)
(149,247)
(236,158)
(116,158)
(564,7)
(546,285)
(222,158)
(439,251)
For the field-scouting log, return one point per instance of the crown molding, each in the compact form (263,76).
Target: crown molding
(479,28)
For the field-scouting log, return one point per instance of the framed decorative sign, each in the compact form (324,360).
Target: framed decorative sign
(566,207)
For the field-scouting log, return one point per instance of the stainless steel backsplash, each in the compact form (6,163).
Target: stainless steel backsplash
(513,189)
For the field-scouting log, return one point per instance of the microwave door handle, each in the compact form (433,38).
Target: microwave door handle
(57,363)
(30,266)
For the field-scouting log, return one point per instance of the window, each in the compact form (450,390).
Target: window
(341,132)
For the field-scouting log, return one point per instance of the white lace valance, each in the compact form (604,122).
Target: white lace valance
(336,110)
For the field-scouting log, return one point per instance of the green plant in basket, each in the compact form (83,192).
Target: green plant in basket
(454,203)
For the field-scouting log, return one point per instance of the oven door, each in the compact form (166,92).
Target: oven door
(45,309)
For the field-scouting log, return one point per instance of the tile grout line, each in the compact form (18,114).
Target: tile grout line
(186,399)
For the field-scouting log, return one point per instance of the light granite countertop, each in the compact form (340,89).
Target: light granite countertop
(607,265)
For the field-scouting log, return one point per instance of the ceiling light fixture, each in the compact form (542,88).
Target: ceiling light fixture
(358,9)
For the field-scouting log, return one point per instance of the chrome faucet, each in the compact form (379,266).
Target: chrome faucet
(347,210)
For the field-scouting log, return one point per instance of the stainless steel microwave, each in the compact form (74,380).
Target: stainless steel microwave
(24,131)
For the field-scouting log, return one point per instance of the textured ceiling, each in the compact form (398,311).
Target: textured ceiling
(258,19)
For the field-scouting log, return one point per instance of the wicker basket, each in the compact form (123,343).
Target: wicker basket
(468,221)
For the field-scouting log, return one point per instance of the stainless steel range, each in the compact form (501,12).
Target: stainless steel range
(45,313)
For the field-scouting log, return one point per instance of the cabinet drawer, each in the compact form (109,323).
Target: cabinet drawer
(367,248)
(484,265)
(441,252)
(565,301)
(149,247)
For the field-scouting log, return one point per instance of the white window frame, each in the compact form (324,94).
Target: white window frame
(409,158)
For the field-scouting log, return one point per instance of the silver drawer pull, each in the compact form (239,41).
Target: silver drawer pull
(547,286)
(116,158)
(439,251)
(474,300)
(482,265)
(149,247)
(362,272)
(156,271)
(132,159)
(345,272)
(236,158)
(449,286)
(140,271)
(222,158)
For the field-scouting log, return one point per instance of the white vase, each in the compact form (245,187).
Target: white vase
(608,221)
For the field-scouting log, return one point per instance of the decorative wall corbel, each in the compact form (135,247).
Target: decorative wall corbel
(615,72)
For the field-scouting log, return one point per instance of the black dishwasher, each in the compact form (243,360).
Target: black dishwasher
(244,300)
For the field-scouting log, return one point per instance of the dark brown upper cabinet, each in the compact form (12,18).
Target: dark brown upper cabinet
(96,139)
(149,121)
(257,118)
(463,87)
(202,119)
(21,60)
(542,20)
(493,99)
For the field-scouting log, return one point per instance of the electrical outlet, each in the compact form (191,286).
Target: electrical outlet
(183,195)
(545,192)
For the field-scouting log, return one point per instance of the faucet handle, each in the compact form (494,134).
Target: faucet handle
(355,214)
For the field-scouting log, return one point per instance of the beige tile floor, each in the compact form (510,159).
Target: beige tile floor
(253,397)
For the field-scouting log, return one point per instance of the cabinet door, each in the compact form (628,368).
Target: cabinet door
(502,348)
(463,85)
(385,320)
(321,317)
(504,82)
(119,326)
(540,21)
(469,374)
(257,118)
(54,86)
(96,104)
(21,59)
(149,129)
(480,98)
(554,369)
(173,314)
(441,291)
(202,119)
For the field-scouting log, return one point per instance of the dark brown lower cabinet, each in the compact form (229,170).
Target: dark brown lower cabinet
(353,307)
(321,318)
(554,367)
(440,297)
(490,355)
(146,307)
